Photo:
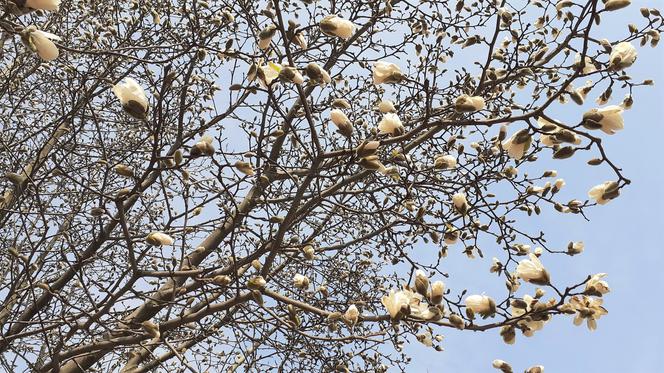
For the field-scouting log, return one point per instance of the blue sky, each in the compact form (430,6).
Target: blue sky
(623,238)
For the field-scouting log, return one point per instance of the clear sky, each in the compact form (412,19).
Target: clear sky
(623,238)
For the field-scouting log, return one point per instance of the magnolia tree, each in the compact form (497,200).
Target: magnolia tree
(275,186)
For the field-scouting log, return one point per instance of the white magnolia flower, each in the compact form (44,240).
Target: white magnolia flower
(596,286)
(43,4)
(518,144)
(588,67)
(300,40)
(367,148)
(386,72)
(334,25)
(269,73)
(425,338)
(451,235)
(445,162)
(398,303)
(575,248)
(579,94)
(468,104)
(203,147)
(159,239)
(41,42)
(132,97)
(317,74)
(245,167)
(421,282)
(502,365)
(421,310)
(386,106)
(622,56)
(589,309)
(604,192)
(437,291)
(555,135)
(290,74)
(532,270)
(352,315)
(528,325)
(616,4)
(265,36)
(481,304)
(609,119)
(300,281)
(373,163)
(390,124)
(460,203)
(342,122)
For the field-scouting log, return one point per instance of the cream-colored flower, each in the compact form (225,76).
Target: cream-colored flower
(372,163)
(481,304)
(562,4)
(352,315)
(291,75)
(468,104)
(496,266)
(265,36)
(596,286)
(532,270)
(622,56)
(535,369)
(41,42)
(344,126)
(159,239)
(301,281)
(579,95)
(317,74)
(575,248)
(53,5)
(367,148)
(398,303)
(132,97)
(531,323)
(203,147)
(588,67)
(555,135)
(256,283)
(604,192)
(268,73)
(390,124)
(421,282)
(334,25)
(421,310)
(518,144)
(502,365)
(245,167)
(300,40)
(425,338)
(437,292)
(451,235)
(386,72)
(609,119)
(386,106)
(446,161)
(309,252)
(124,170)
(460,203)
(589,309)
(616,4)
